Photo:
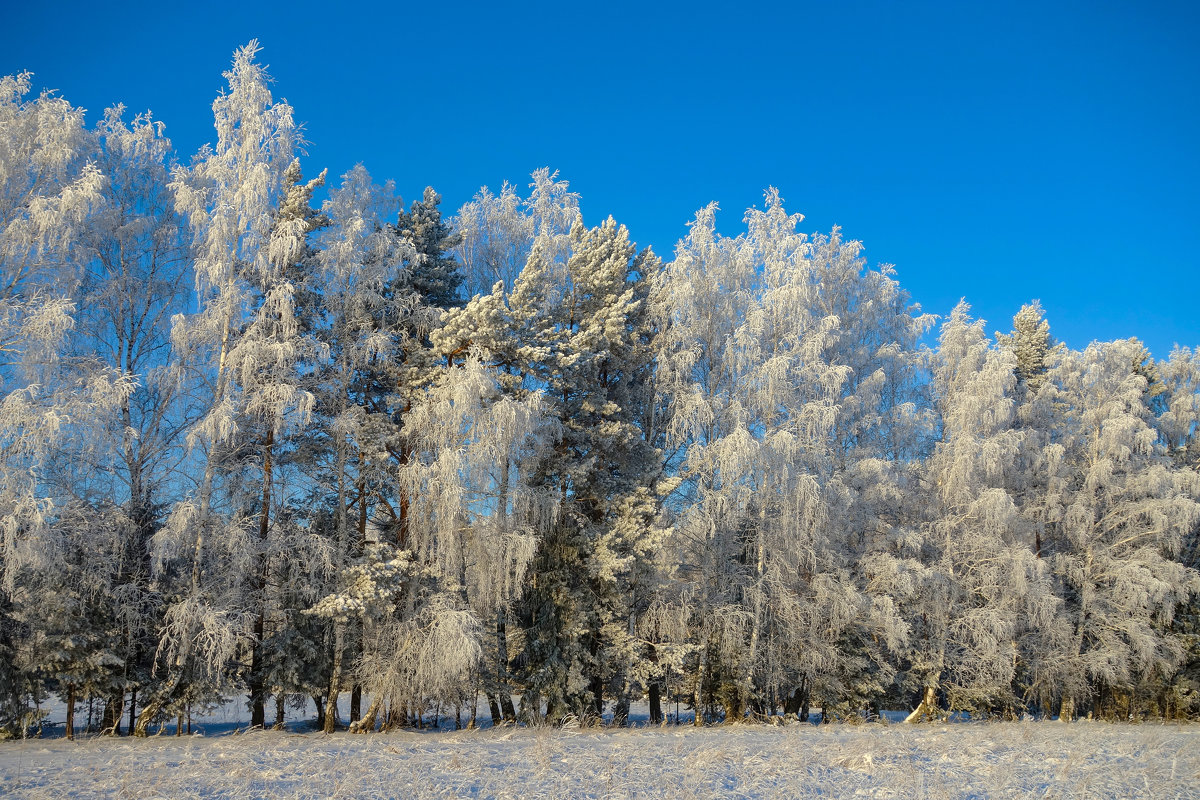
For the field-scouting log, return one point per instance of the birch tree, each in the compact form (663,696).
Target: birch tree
(756,402)
(246,206)
(496,232)
(132,254)
(979,587)
(1116,510)
(49,188)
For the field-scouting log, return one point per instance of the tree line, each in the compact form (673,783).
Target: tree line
(256,444)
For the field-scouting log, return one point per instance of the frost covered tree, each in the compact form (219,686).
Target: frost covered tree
(748,364)
(49,188)
(976,586)
(50,184)
(577,309)
(133,278)
(1115,509)
(573,327)
(248,211)
(882,432)
(436,274)
(508,511)
(495,237)
(1178,427)
(269,361)
(496,232)
(461,562)
(1178,424)
(1033,350)
(423,420)
(357,265)
(382,291)
(1031,345)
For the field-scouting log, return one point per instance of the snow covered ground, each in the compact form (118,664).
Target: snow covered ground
(1030,759)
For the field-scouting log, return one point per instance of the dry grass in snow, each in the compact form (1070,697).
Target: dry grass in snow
(1018,760)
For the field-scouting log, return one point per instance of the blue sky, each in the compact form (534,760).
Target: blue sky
(1001,152)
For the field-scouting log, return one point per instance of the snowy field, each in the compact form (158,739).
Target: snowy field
(969,760)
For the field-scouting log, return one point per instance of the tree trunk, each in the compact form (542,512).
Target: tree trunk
(367,723)
(735,704)
(110,722)
(151,709)
(928,707)
(797,702)
(503,687)
(596,687)
(132,708)
(505,691)
(746,692)
(1066,712)
(70,711)
(342,529)
(402,523)
(319,703)
(654,690)
(329,724)
(256,680)
(356,688)
(656,714)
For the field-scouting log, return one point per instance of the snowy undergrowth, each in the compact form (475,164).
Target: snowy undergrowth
(960,761)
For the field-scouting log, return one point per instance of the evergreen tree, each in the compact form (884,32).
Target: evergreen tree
(1031,345)
(577,326)
(435,272)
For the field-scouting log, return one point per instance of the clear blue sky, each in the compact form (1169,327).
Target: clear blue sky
(1000,152)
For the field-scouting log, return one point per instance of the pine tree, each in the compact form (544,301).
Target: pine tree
(1031,345)
(576,324)
(435,272)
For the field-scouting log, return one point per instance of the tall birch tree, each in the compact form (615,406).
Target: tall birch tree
(246,206)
